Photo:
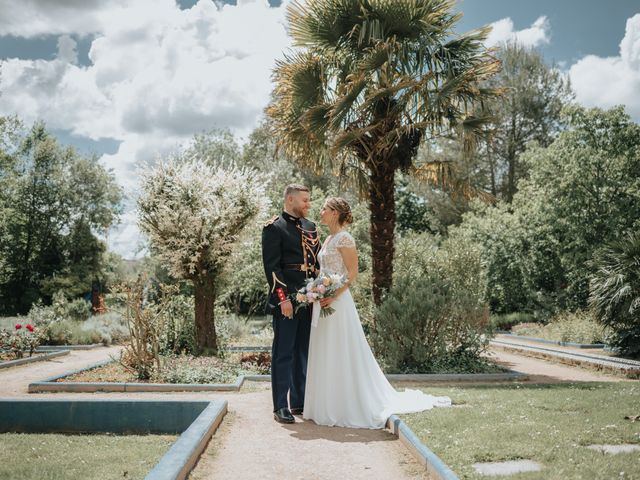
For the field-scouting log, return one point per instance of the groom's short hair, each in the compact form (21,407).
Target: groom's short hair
(293,188)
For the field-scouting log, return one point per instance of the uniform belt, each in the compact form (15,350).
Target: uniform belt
(301,267)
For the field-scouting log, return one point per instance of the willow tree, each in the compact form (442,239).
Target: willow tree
(194,213)
(366,82)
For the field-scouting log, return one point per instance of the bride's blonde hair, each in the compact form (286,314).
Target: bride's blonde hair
(343,208)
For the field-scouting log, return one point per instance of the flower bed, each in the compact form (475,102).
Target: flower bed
(183,369)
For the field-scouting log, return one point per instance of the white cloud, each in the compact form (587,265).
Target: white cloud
(609,81)
(158,74)
(503,31)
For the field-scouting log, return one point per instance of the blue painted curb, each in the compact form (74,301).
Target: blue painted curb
(195,421)
(436,468)
(555,342)
(39,358)
(183,455)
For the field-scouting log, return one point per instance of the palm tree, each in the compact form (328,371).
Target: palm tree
(367,81)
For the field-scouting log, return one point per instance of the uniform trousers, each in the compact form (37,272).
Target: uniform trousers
(289,358)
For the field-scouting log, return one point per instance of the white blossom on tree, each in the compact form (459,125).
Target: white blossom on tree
(194,211)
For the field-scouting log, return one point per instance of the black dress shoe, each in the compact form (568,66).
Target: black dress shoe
(283,416)
(297,411)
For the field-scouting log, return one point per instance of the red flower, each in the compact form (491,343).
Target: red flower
(29,327)
(18,326)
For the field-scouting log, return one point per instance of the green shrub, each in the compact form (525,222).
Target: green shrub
(576,327)
(107,329)
(178,329)
(615,293)
(78,309)
(190,369)
(435,317)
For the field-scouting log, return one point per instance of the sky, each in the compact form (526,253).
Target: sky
(132,80)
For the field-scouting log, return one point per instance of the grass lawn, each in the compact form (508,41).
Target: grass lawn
(550,424)
(86,457)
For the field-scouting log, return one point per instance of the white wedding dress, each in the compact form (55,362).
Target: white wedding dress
(345,386)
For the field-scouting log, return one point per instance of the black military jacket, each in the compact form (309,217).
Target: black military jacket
(290,247)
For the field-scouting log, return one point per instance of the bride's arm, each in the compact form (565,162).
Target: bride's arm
(350,259)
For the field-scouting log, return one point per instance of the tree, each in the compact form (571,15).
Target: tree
(53,202)
(587,185)
(194,212)
(528,111)
(368,81)
(583,192)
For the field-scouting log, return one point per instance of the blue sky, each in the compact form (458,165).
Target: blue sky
(131,80)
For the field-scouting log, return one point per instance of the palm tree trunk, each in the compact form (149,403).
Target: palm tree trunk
(205,297)
(383,222)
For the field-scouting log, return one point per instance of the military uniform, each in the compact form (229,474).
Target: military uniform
(290,247)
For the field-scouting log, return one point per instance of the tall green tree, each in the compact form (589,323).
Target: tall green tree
(55,202)
(529,110)
(369,79)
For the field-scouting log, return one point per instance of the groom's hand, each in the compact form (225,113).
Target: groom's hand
(287,309)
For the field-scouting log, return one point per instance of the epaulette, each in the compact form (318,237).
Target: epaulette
(271,221)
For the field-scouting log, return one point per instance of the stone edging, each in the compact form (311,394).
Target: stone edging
(90,346)
(52,385)
(555,342)
(185,452)
(38,358)
(593,361)
(435,467)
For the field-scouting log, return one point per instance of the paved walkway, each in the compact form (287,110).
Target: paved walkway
(251,445)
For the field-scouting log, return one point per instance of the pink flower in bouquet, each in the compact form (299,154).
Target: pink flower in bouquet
(322,289)
(18,326)
(29,327)
(311,297)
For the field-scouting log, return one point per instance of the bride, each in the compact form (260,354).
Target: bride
(345,387)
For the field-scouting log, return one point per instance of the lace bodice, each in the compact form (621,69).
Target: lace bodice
(329,256)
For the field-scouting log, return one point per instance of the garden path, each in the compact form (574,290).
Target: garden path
(251,444)
(542,371)
(14,381)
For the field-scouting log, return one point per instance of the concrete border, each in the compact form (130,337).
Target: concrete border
(630,368)
(39,358)
(90,346)
(52,384)
(554,342)
(184,454)
(195,421)
(435,467)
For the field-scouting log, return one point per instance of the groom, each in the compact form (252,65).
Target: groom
(290,246)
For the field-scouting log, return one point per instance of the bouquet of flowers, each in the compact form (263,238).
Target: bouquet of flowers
(316,289)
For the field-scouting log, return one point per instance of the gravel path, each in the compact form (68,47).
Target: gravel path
(15,380)
(541,371)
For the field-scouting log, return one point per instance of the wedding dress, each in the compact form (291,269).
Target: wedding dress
(345,386)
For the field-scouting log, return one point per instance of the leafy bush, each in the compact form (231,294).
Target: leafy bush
(178,329)
(435,316)
(577,327)
(190,369)
(23,338)
(78,309)
(615,293)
